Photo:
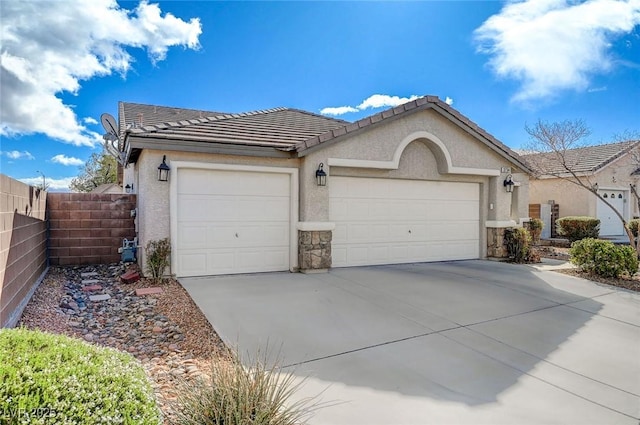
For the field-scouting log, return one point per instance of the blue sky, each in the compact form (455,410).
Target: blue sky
(502,64)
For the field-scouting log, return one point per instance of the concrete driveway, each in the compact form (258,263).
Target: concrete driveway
(468,342)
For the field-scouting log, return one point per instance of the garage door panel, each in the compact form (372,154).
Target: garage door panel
(266,235)
(382,221)
(454,210)
(192,237)
(443,231)
(262,208)
(339,235)
(194,261)
(232,222)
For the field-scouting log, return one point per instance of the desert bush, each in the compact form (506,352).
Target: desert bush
(518,244)
(535,226)
(633,226)
(603,258)
(575,228)
(232,394)
(158,258)
(54,379)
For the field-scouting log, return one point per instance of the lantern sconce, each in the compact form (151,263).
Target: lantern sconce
(129,188)
(163,170)
(321,175)
(508,183)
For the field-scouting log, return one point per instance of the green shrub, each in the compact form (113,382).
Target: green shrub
(233,394)
(518,244)
(158,258)
(54,379)
(575,228)
(535,226)
(633,226)
(603,258)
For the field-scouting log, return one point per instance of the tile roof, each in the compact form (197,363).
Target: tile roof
(581,160)
(278,128)
(133,115)
(285,129)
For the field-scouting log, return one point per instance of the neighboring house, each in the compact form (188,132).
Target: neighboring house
(416,183)
(108,188)
(613,167)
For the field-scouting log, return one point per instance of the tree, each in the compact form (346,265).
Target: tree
(99,169)
(556,143)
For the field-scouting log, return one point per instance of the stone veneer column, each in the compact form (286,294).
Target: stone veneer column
(314,250)
(496,246)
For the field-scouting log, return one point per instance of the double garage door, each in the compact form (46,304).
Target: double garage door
(384,221)
(240,222)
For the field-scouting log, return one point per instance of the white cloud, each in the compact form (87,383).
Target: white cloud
(554,45)
(383,100)
(338,110)
(66,160)
(90,120)
(597,89)
(50,47)
(18,155)
(448,101)
(372,102)
(53,185)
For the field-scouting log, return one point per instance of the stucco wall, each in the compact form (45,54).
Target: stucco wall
(420,160)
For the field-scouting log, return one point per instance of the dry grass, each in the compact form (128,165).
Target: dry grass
(234,394)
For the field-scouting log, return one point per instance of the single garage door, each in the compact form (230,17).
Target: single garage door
(390,221)
(232,222)
(610,223)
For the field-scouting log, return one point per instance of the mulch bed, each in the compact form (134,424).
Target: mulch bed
(630,283)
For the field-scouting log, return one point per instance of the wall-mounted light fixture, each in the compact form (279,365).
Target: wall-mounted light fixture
(508,183)
(163,170)
(129,188)
(321,175)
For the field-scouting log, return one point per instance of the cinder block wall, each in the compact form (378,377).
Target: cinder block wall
(23,246)
(88,228)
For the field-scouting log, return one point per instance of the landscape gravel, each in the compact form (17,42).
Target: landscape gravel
(166,331)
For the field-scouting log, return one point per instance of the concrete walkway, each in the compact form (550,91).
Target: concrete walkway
(468,342)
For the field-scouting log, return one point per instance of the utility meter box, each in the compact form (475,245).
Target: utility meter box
(128,250)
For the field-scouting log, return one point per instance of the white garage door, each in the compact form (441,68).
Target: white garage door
(610,223)
(232,222)
(384,221)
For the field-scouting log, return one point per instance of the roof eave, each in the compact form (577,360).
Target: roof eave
(136,144)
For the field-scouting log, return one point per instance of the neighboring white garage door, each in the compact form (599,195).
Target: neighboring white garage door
(385,221)
(610,223)
(232,222)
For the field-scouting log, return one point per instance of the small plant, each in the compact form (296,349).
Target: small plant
(234,394)
(535,226)
(158,258)
(603,258)
(518,244)
(54,379)
(633,226)
(575,228)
